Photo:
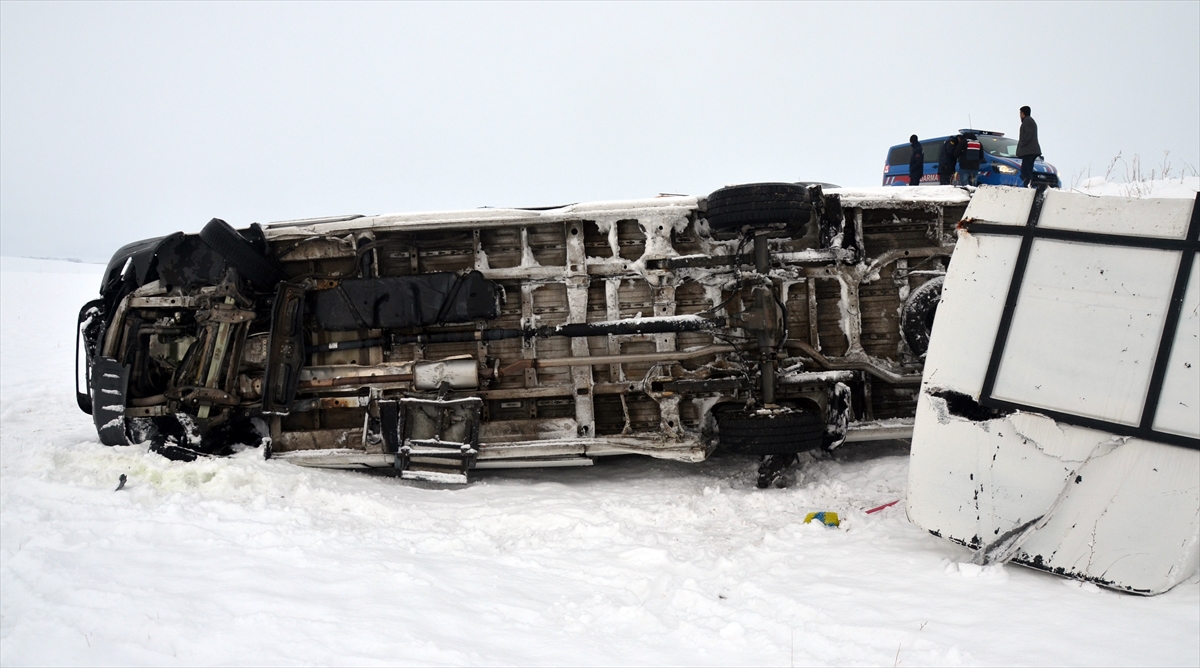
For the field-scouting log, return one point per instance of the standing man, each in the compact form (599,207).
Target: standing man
(916,164)
(968,161)
(1028,148)
(946,159)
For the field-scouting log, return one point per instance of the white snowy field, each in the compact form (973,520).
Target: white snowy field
(634,561)
(1183,186)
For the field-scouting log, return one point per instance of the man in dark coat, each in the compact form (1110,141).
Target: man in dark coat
(969,158)
(946,160)
(1028,148)
(916,164)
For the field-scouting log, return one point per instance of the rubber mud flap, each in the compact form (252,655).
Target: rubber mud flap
(89,328)
(837,416)
(285,350)
(110,382)
(389,425)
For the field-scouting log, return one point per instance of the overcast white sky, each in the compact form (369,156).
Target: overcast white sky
(124,121)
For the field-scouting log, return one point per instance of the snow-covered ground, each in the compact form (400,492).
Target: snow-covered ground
(1184,186)
(633,561)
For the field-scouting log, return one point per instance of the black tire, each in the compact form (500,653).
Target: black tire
(759,205)
(780,433)
(241,254)
(916,320)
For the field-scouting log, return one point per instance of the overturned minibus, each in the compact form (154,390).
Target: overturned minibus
(768,318)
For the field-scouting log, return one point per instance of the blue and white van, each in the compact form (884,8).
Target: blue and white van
(1000,165)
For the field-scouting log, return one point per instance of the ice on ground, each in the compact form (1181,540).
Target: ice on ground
(634,561)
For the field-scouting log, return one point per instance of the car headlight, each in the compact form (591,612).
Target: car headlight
(1005,169)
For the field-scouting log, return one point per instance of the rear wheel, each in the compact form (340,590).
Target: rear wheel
(774,432)
(916,321)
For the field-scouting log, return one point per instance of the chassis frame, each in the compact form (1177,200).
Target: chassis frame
(619,328)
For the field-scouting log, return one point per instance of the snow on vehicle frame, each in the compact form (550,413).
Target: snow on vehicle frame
(769,319)
(1057,424)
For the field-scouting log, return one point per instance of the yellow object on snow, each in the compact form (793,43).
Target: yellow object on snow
(827,518)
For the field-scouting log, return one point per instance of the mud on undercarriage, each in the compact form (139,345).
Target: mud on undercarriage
(766,318)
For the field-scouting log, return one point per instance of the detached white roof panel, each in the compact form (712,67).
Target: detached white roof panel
(1059,416)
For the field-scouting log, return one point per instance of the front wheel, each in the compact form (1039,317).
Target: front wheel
(916,320)
(757,206)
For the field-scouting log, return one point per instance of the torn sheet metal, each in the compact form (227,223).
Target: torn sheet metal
(1058,423)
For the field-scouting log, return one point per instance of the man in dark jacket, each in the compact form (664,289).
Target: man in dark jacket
(946,160)
(916,164)
(1028,148)
(968,160)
